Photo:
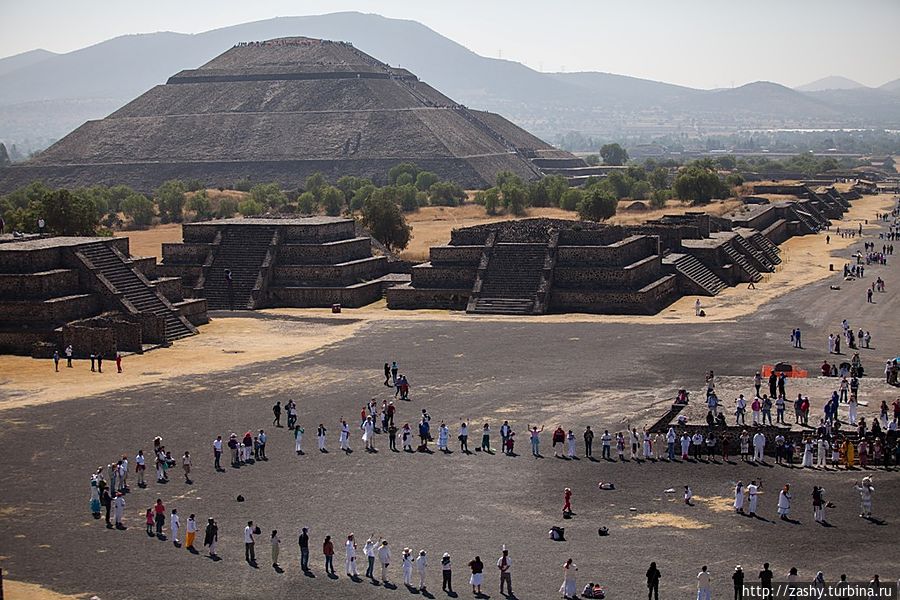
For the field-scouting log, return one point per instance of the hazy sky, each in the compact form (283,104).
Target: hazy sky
(701,43)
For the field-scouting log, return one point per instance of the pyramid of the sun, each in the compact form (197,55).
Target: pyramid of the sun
(282,109)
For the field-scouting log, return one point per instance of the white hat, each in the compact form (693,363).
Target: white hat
(446,555)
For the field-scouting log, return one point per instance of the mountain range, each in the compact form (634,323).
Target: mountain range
(44,95)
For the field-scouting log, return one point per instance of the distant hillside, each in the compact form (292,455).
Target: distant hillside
(25,59)
(834,82)
(47,98)
(891,86)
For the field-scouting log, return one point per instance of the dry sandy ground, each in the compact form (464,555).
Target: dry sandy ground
(223,344)
(149,242)
(16,590)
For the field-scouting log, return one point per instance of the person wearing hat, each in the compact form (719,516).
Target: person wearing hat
(421,564)
(407,567)
(446,573)
(369,551)
(784,502)
(865,489)
(119,510)
(738,578)
(384,557)
(504,564)
(350,561)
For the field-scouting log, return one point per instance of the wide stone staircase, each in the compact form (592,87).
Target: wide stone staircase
(689,266)
(242,250)
(763,262)
(511,281)
(136,289)
(766,247)
(741,261)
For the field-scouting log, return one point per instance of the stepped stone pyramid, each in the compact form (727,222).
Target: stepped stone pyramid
(282,109)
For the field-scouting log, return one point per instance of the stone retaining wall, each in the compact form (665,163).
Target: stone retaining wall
(325,254)
(406,297)
(444,276)
(58,282)
(459,255)
(646,301)
(618,254)
(354,296)
(331,275)
(634,276)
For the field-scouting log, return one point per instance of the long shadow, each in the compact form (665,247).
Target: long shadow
(332,576)
(875,521)
(411,589)
(309,574)
(278,569)
(389,586)
(427,594)
(791,521)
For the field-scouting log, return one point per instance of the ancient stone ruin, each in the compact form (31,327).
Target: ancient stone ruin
(90,293)
(282,109)
(537,266)
(272,262)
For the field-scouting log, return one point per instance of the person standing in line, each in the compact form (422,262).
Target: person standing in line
(276,548)
(477,578)
(536,441)
(328,552)
(140,465)
(765,577)
(190,533)
(369,552)
(320,437)
(704,590)
(303,542)
(464,438)
(446,574)
(569,588)
(249,543)
(69,356)
(588,442)
(818,500)
(211,537)
(503,564)
(149,522)
(99,362)
(261,439)
(93,362)
(159,511)
(784,502)
(421,565)
(567,501)
(443,438)
(407,567)
(739,497)
(670,445)
(570,444)
(384,558)
(759,445)
(298,439)
(653,576)
(368,437)
(345,437)
(217,454)
(505,429)
(350,557)
(486,438)
(119,511)
(175,525)
(387,375)
(107,502)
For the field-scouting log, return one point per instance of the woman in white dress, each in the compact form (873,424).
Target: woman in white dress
(368,436)
(807,453)
(345,436)
(852,406)
(784,502)
(739,497)
(570,442)
(647,453)
(443,437)
(568,588)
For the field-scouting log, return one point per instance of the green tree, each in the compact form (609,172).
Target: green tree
(426,179)
(597,205)
(227,208)
(571,199)
(490,199)
(242,185)
(332,200)
(592,160)
(384,220)
(117,194)
(505,177)
(399,169)
(194,185)
(733,180)
(621,184)
(514,197)
(446,193)
(726,162)
(200,204)
(251,208)
(407,196)
(698,184)
(268,194)
(640,190)
(349,184)
(659,197)
(170,200)
(139,209)
(67,214)
(314,184)
(613,155)
(360,196)
(306,204)
(659,178)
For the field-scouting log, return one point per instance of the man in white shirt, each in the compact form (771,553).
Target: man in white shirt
(752,495)
(174,525)
(217,451)
(384,557)
(703,585)
(606,442)
(759,446)
(421,564)
(350,546)
(369,551)
(249,553)
(504,564)
(140,466)
(119,504)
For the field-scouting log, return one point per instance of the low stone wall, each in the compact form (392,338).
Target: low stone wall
(317,234)
(406,297)
(594,235)
(456,255)
(194,310)
(632,277)
(58,282)
(646,301)
(324,254)
(188,273)
(618,254)
(146,265)
(330,275)
(23,342)
(196,233)
(53,311)
(86,340)
(444,276)
(170,287)
(353,296)
(185,254)
(777,232)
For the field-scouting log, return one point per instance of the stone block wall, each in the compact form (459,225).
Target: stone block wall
(52,311)
(23,342)
(194,310)
(86,340)
(354,296)
(317,234)
(456,255)
(170,287)
(328,253)
(330,275)
(646,301)
(617,254)
(444,276)
(58,282)
(187,253)
(406,297)
(632,277)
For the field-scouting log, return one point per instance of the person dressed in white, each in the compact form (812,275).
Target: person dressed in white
(570,442)
(821,452)
(350,560)
(345,436)
(807,454)
(752,497)
(320,437)
(369,552)
(784,502)
(384,558)
(119,505)
(421,564)
(175,524)
(865,489)
(298,439)
(852,406)
(685,446)
(368,428)
(759,446)
(648,454)
(443,437)
(739,497)
(407,567)
(704,589)
(818,504)
(568,588)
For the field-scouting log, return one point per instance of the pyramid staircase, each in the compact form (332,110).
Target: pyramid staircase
(511,281)
(689,266)
(766,246)
(243,251)
(741,261)
(762,261)
(135,288)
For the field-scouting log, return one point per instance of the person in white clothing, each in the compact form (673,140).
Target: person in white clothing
(320,437)
(298,439)
(443,437)
(739,497)
(784,502)
(821,452)
(369,552)
(570,442)
(852,407)
(384,558)
(807,454)
(704,589)
(174,525)
(350,561)
(368,428)
(119,504)
(865,489)
(421,564)
(191,533)
(752,497)
(503,564)
(759,447)
(345,436)
(407,567)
